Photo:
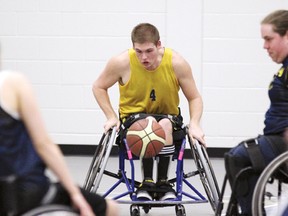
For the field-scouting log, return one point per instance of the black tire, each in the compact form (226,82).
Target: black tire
(134,210)
(94,163)
(180,210)
(146,209)
(98,163)
(206,172)
(55,210)
(266,192)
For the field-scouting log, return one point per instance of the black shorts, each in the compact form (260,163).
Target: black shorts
(32,198)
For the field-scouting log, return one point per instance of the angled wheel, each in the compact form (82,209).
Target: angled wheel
(53,210)
(206,173)
(271,191)
(99,161)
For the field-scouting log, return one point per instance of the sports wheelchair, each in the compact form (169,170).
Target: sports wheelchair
(9,207)
(187,195)
(270,193)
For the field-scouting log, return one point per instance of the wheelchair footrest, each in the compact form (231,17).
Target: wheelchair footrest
(155,203)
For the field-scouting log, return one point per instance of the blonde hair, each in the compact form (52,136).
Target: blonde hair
(145,32)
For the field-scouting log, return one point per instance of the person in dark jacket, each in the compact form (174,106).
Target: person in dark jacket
(274,31)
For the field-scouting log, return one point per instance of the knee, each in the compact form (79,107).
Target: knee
(166,124)
(167,127)
(233,165)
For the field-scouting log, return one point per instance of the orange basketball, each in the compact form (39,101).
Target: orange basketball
(145,138)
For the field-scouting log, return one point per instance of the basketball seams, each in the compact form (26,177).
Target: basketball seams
(153,136)
(159,132)
(141,126)
(145,138)
(140,134)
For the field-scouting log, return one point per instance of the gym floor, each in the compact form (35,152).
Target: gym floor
(79,166)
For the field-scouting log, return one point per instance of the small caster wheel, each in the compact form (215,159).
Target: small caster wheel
(180,210)
(146,209)
(134,210)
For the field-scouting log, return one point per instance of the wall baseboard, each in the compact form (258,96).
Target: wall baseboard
(88,150)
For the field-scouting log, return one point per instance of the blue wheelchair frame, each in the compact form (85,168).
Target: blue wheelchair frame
(204,169)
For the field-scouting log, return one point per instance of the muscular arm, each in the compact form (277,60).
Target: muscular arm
(186,81)
(114,71)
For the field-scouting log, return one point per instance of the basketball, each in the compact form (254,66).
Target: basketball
(145,138)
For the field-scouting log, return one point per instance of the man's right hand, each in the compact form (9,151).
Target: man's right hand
(110,123)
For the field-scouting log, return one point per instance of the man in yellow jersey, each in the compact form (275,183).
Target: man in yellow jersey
(149,78)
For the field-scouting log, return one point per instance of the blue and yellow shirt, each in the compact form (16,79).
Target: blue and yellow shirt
(276,118)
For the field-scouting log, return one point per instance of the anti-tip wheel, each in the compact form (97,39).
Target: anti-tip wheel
(134,210)
(180,210)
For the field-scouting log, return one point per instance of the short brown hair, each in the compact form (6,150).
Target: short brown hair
(279,20)
(145,32)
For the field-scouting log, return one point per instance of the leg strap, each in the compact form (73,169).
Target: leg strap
(255,154)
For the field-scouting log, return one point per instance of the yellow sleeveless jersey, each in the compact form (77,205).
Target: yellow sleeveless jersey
(152,92)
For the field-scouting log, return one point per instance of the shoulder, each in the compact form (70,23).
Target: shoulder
(179,63)
(17,83)
(14,86)
(13,77)
(119,61)
(177,58)
(116,68)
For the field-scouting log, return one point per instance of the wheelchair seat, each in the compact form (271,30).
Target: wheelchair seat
(179,131)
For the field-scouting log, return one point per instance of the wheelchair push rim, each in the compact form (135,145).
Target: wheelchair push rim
(262,188)
(206,173)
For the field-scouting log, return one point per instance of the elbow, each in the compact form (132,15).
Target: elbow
(95,89)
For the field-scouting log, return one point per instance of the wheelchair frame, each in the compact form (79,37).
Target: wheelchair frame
(204,169)
(260,194)
(258,205)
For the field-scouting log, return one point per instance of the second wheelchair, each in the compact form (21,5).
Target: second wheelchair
(269,194)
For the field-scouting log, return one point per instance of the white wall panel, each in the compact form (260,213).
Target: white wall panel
(236,69)
(63,45)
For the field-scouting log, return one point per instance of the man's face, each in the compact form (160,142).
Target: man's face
(147,54)
(275,44)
